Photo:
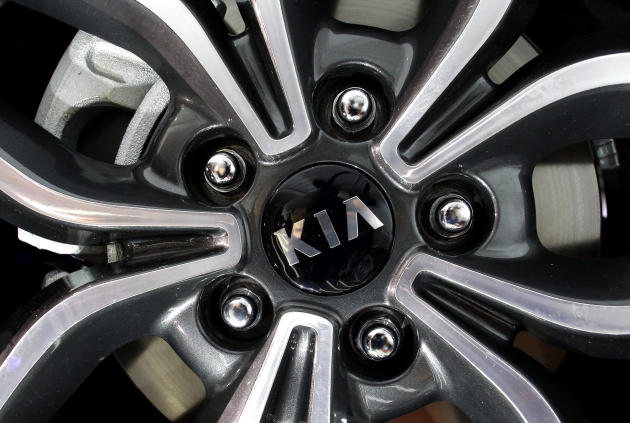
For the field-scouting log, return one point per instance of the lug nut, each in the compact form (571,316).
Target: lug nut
(241,310)
(225,171)
(452,214)
(353,109)
(379,339)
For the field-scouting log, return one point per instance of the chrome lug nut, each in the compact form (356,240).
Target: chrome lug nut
(353,109)
(353,105)
(240,311)
(225,171)
(379,341)
(453,214)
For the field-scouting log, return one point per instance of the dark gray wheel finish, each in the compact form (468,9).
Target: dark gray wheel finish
(297,369)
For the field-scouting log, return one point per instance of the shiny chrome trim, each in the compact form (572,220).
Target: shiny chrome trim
(355,207)
(31,345)
(528,402)
(327,228)
(589,318)
(590,74)
(452,60)
(289,245)
(250,399)
(181,20)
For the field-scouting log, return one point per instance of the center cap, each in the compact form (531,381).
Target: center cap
(328,229)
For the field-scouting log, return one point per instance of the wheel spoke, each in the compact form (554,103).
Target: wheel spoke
(273,24)
(76,328)
(502,393)
(457,49)
(568,320)
(582,77)
(41,176)
(304,343)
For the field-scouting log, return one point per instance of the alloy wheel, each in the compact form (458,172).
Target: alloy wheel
(326,220)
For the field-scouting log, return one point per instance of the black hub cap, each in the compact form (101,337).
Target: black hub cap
(328,229)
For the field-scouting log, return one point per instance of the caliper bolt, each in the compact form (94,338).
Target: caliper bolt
(241,309)
(225,171)
(353,109)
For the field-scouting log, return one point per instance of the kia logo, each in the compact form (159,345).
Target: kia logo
(354,208)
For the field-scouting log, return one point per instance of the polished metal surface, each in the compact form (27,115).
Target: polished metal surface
(353,109)
(224,170)
(459,47)
(288,245)
(270,17)
(239,312)
(453,214)
(67,208)
(327,228)
(379,342)
(354,208)
(528,402)
(249,402)
(353,105)
(589,74)
(221,169)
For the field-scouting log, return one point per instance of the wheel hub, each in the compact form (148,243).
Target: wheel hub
(328,229)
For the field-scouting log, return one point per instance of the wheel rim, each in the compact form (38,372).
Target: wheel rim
(456,302)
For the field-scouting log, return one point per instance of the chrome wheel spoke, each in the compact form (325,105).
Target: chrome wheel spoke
(77,327)
(49,182)
(503,393)
(303,344)
(580,304)
(469,31)
(489,135)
